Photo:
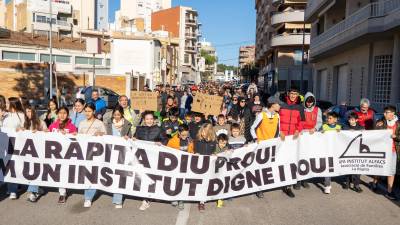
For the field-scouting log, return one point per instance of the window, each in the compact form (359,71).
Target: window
(383,79)
(108,62)
(88,61)
(56,58)
(186,58)
(18,56)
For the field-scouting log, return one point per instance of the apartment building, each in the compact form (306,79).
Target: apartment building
(281,38)
(208,49)
(135,15)
(182,23)
(355,49)
(3,10)
(246,56)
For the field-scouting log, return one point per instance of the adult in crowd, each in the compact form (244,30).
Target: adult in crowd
(291,117)
(3,109)
(149,131)
(365,114)
(189,101)
(93,127)
(63,125)
(129,113)
(78,114)
(51,115)
(182,106)
(252,88)
(13,119)
(120,127)
(99,103)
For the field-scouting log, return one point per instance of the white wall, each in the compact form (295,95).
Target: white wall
(136,55)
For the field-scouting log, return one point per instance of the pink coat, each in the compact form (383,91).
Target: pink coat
(69,127)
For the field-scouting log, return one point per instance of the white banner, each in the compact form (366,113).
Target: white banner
(147,170)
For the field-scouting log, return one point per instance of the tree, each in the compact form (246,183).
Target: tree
(223,67)
(210,60)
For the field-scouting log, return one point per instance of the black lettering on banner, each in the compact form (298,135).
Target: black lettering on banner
(155,178)
(83,173)
(163,157)
(214,187)
(168,189)
(268,177)
(94,149)
(330,162)
(11,147)
(184,163)
(48,171)
(106,179)
(237,183)
(137,182)
(293,170)
(26,169)
(123,174)
(233,163)
(193,185)
(306,169)
(121,153)
(248,159)
(29,149)
(74,150)
(227,184)
(9,168)
(322,165)
(107,155)
(263,155)
(52,150)
(253,178)
(195,161)
(71,174)
(282,173)
(142,158)
(219,163)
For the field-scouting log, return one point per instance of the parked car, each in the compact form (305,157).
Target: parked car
(108,95)
(324,105)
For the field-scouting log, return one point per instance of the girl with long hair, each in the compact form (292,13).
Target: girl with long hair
(51,115)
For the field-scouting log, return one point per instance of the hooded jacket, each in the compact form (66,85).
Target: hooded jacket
(69,127)
(382,124)
(312,115)
(291,116)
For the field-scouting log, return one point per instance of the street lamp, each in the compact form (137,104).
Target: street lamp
(51,49)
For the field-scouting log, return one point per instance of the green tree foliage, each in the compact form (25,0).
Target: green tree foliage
(210,60)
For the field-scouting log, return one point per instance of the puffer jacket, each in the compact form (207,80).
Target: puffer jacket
(312,115)
(183,145)
(146,133)
(366,119)
(125,131)
(204,147)
(291,116)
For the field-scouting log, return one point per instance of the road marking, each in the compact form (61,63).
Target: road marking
(183,216)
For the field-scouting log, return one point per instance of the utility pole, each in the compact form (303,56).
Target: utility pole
(51,50)
(302,58)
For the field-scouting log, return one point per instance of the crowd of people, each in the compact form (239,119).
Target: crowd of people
(247,116)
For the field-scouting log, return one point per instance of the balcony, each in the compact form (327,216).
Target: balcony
(59,25)
(313,7)
(290,39)
(190,35)
(190,49)
(373,18)
(287,17)
(191,22)
(277,2)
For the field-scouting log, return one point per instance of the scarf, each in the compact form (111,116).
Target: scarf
(118,125)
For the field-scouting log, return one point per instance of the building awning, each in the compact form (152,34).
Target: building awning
(297,26)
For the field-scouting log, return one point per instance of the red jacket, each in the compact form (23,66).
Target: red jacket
(291,116)
(366,119)
(310,119)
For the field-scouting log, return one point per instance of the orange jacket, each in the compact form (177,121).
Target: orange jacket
(175,142)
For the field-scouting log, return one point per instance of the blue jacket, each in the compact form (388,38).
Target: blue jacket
(77,118)
(100,104)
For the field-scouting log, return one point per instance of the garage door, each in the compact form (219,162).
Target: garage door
(342,85)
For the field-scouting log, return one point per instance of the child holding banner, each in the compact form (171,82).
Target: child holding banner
(63,125)
(205,144)
(120,127)
(235,139)
(170,125)
(329,126)
(222,146)
(91,126)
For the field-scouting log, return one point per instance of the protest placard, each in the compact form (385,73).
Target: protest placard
(143,100)
(207,104)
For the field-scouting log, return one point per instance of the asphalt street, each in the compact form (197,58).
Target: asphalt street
(310,206)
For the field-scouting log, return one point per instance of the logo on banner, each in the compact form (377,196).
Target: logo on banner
(361,151)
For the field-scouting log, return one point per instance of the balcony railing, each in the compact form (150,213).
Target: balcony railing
(377,9)
(288,16)
(312,6)
(290,39)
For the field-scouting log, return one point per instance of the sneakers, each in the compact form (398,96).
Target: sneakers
(87,204)
(346,185)
(13,196)
(118,206)
(289,192)
(145,205)
(220,203)
(327,189)
(391,196)
(201,207)
(174,203)
(373,186)
(181,206)
(62,199)
(297,186)
(260,195)
(33,197)
(357,189)
(305,185)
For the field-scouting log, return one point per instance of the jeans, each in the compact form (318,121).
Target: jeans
(12,188)
(327,181)
(33,189)
(117,199)
(89,194)
(182,112)
(354,178)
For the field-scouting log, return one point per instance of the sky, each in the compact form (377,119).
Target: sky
(227,24)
